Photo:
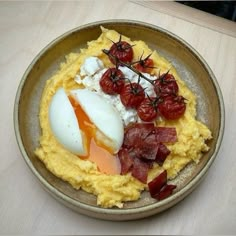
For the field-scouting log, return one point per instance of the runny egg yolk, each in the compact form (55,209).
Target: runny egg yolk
(97,152)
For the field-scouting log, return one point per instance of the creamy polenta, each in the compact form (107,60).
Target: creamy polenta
(114,190)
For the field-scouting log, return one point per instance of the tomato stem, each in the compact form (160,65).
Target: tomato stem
(142,61)
(127,65)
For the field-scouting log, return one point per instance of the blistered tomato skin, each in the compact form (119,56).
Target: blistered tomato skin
(145,65)
(166,85)
(132,95)
(147,110)
(112,81)
(172,107)
(121,50)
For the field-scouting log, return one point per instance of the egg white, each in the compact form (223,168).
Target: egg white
(104,116)
(64,124)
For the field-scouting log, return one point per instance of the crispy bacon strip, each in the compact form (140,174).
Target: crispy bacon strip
(135,134)
(158,187)
(140,170)
(166,134)
(157,183)
(142,146)
(126,161)
(162,154)
(166,191)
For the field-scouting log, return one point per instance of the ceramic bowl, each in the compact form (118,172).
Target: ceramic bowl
(190,66)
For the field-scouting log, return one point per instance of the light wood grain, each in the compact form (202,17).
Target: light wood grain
(25,207)
(192,15)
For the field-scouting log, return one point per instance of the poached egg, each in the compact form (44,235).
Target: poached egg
(87,125)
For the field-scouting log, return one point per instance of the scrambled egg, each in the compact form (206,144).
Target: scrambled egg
(114,190)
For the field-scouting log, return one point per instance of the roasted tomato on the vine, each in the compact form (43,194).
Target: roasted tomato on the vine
(172,107)
(132,95)
(166,85)
(147,110)
(112,81)
(121,50)
(144,65)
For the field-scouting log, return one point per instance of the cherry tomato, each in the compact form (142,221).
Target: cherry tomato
(147,110)
(144,65)
(132,95)
(172,107)
(122,51)
(112,81)
(166,85)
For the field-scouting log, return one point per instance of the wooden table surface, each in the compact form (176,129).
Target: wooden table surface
(25,207)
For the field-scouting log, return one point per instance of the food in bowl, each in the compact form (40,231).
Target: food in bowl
(117,119)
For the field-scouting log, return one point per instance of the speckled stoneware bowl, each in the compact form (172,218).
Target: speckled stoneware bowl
(191,67)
